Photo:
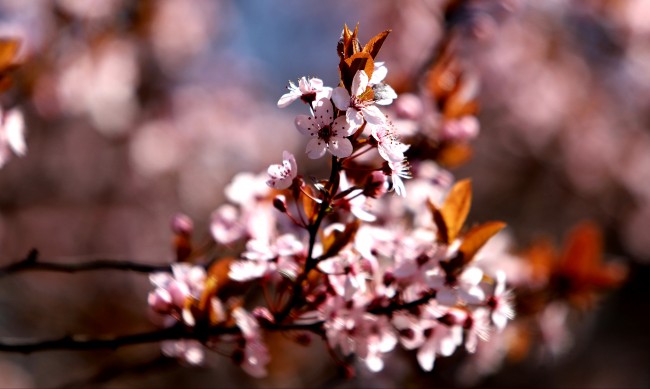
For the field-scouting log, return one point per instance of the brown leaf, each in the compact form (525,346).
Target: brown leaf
(8,50)
(456,207)
(349,67)
(477,237)
(309,206)
(336,240)
(374,44)
(453,154)
(462,100)
(439,221)
(582,260)
(348,45)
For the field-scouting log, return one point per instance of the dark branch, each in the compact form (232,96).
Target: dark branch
(31,263)
(78,342)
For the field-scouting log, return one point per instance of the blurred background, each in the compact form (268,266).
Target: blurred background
(138,110)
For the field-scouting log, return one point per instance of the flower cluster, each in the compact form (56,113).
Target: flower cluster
(341,257)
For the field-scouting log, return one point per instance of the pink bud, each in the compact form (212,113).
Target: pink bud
(182,224)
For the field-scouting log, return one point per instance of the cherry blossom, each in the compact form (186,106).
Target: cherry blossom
(308,90)
(262,257)
(389,147)
(359,106)
(255,354)
(327,134)
(225,224)
(281,176)
(452,289)
(501,302)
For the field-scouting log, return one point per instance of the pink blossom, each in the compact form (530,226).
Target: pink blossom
(281,176)
(358,106)
(501,302)
(464,288)
(308,90)
(389,147)
(345,273)
(173,290)
(262,258)
(462,129)
(256,355)
(188,350)
(327,134)
(225,225)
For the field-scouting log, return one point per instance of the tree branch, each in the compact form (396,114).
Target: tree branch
(83,342)
(31,263)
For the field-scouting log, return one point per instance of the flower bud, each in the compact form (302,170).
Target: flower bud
(280,203)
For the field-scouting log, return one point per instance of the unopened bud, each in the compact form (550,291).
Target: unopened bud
(182,224)
(280,203)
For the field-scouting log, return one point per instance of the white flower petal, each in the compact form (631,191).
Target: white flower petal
(373,115)
(341,127)
(305,124)
(316,148)
(341,98)
(304,85)
(354,118)
(359,83)
(324,112)
(378,73)
(14,126)
(340,147)
(287,99)
(427,356)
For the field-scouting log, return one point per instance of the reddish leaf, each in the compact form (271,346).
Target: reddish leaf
(349,67)
(8,50)
(454,154)
(456,207)
(581,260)
(374,44)
(336,240)
(477,237)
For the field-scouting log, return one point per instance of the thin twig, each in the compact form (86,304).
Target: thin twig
(31,263)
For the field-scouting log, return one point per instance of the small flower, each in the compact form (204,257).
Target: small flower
(327,134)
(225,224)
(281,176)
(255,355)
(501,302)
(188,350)
(389,147)
(465,287)
(307,90)
(359,106)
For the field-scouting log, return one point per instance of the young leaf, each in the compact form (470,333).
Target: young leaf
(456,207)
(349,67)
(374,44)
(453,154)
(439,221)
(334,242)
(450,218)
(582,262)
(8,50)
(477,237)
